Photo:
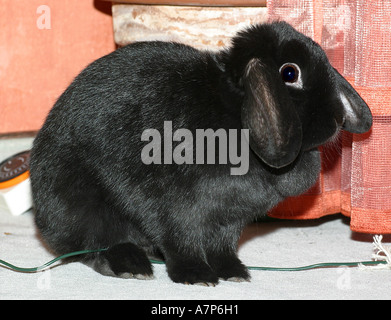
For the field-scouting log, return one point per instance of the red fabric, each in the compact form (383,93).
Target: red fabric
(356,173)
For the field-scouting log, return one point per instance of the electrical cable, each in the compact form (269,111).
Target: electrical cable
(309,267)
(319,265)
(47,264)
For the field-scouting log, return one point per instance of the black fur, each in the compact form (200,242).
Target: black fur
(91,190)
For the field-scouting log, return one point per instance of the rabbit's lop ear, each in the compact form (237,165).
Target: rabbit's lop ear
(269,114)
(356,113)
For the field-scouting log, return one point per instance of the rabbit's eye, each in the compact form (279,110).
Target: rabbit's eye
(290,74)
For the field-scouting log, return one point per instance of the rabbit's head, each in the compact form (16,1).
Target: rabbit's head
(294,100)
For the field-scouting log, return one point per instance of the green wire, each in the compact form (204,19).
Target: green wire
(319,265)
(35,269)
(309,267)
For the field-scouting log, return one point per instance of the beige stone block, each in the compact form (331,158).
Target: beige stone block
(202,27)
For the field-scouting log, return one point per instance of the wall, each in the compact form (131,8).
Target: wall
(209,28)
(41,50)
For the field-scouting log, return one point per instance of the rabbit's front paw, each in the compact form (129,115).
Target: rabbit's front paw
(192,272)
(229,267)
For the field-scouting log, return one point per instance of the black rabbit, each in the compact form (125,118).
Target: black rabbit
(93,189)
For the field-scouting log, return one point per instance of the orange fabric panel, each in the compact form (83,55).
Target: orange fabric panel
(39,58)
